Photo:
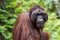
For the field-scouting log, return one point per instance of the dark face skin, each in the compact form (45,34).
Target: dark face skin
(39,21)
(37,17)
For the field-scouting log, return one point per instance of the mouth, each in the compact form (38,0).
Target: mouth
(40,24)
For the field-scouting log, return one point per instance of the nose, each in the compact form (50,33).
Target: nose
(40,20)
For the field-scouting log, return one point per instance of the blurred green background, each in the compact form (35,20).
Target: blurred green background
(9,10)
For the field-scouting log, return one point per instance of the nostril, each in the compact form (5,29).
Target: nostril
(40,20)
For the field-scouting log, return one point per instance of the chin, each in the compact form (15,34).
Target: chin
(40,24)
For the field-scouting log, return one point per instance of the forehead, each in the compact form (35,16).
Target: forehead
(39,11)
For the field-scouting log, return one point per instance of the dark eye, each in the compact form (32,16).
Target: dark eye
(39,14)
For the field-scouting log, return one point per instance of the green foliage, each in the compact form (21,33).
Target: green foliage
(52,26)
(10,8)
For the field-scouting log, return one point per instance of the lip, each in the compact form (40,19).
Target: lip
(40,23)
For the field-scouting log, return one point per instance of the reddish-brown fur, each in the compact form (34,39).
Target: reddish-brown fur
(23,29)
